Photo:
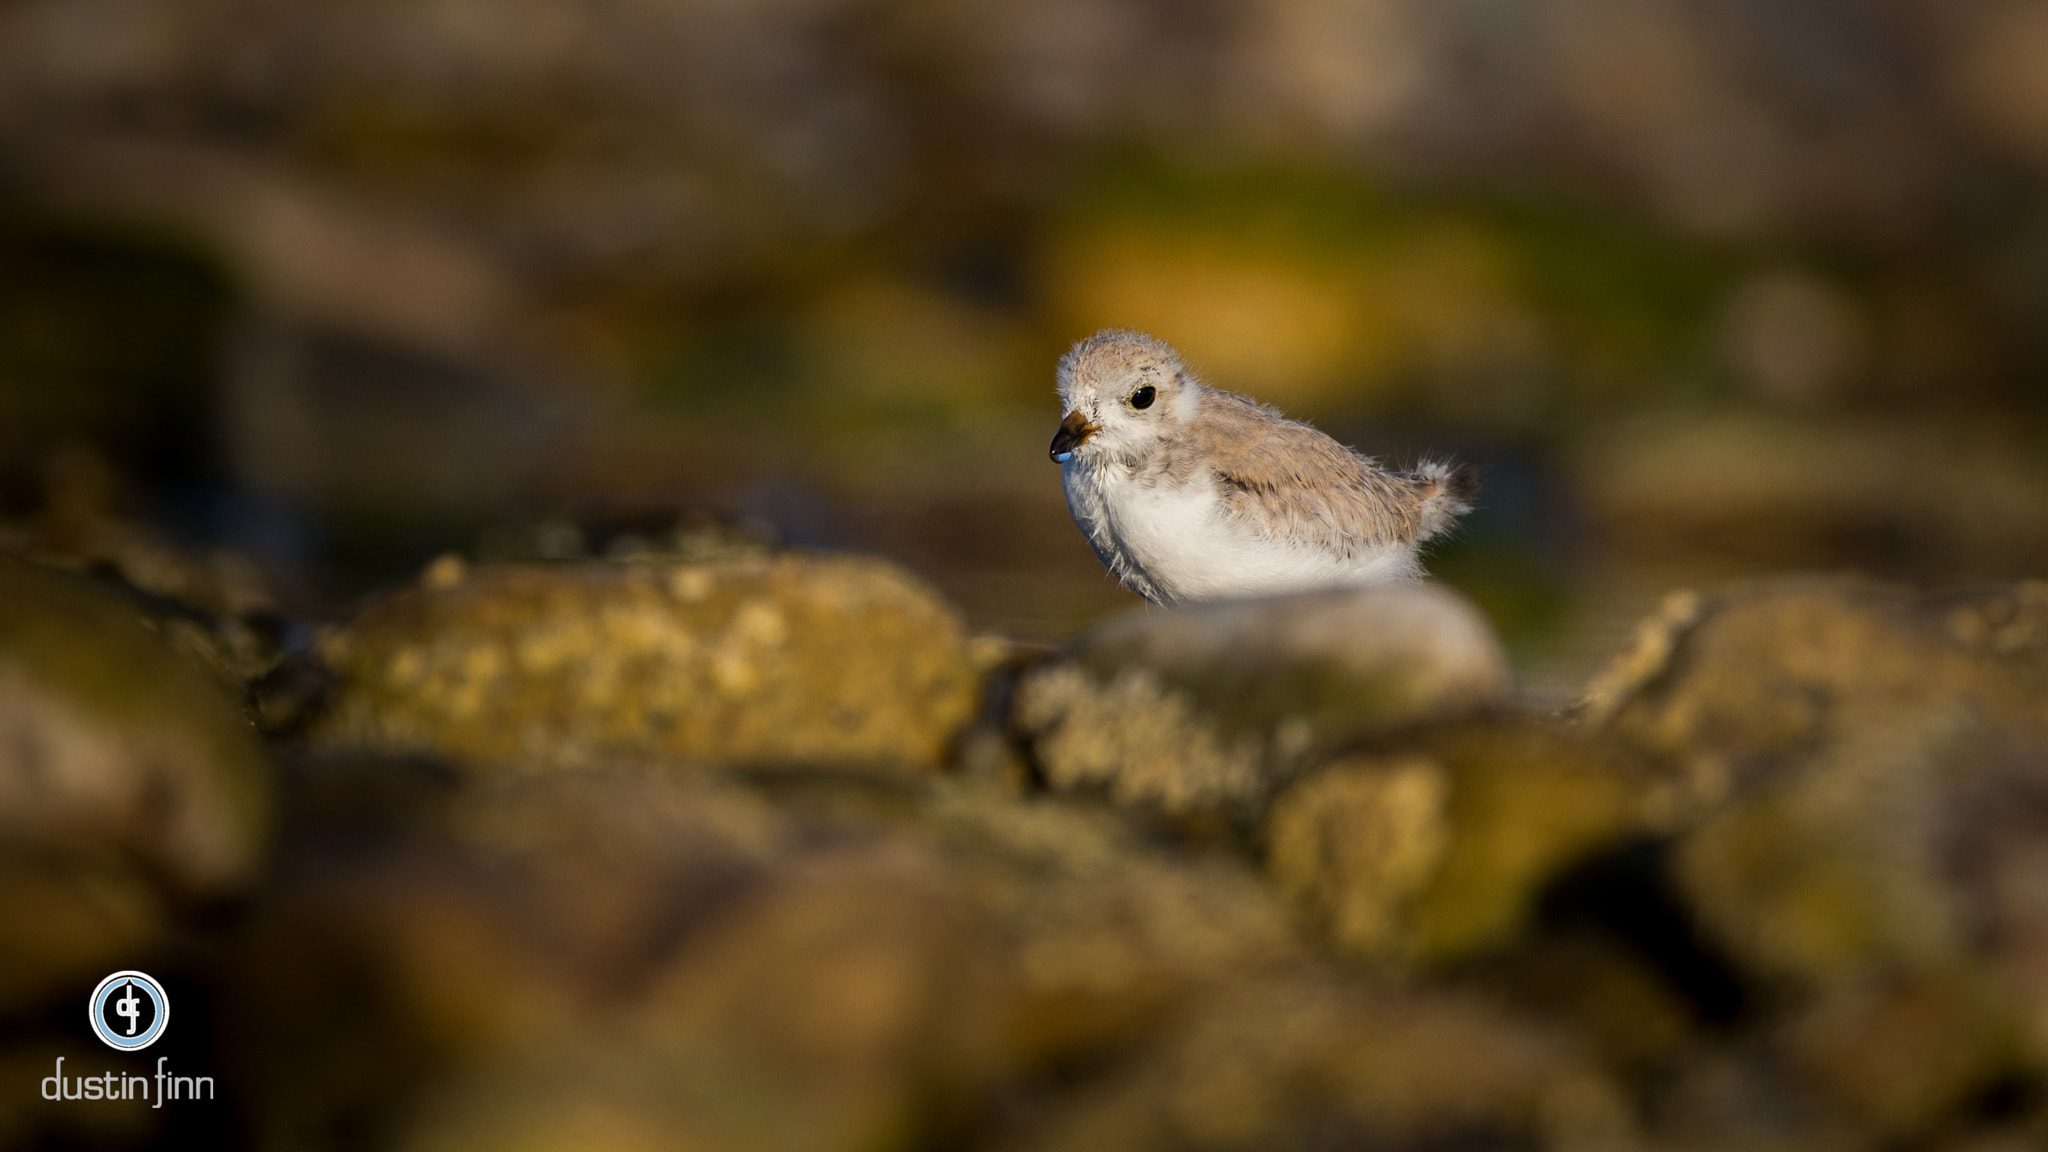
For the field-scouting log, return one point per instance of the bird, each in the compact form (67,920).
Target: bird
(1189,493)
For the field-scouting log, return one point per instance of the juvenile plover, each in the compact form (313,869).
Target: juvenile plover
(1189,493)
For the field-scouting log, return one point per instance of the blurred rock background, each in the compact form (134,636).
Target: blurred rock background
(1705,286)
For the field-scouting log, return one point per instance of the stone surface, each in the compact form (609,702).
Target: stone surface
(1864,770)
(1435,848)
(129,784)
(829,963)
(757,659)
(212,605)
(1309,1064)
(1762,680)
(1776,883)
(1836,738)
(1208,707)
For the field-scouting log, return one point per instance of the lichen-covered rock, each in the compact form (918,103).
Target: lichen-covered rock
(833,961)
(1307,1063)
(418,923)
(1834,732)
(755,659)
(1866,780)
(1101,935)
(129,783)
(1435,848)
(1752,682)
(1207,707)
(214,606)
(1625,1005)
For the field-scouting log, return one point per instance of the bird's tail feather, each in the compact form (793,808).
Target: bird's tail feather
(1447,494)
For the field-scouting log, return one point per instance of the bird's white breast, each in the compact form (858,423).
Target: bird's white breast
(1177,542)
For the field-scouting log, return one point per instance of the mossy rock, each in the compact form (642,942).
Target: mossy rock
(212,606)
(750,660)
(1833,733)
(1865,800)
(833,960)
(1306,1062)
(1207,708)
(1435,847)
(130,784)
(1765,678)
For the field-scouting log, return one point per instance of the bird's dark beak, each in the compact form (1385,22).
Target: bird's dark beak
(1074,431)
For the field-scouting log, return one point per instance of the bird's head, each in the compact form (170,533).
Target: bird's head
(1122,392)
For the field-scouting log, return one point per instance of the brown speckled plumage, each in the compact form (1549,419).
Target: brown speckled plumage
(1287,478)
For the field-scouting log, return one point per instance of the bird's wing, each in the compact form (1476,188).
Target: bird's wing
(1290,480)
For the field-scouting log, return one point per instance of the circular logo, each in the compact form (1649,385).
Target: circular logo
(129,1011)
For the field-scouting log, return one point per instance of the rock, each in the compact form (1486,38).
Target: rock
(1308,1063)
(1102,936)
(1739,1095)
(1435,847)
(1866,787)
(1831,732)
(1909,1050)
(623,1093)
(1764,679)
(750,660)
(129,784)
(213,605)
(1207,708)
(830,961)
(1623,1006)
(83,522)
(420,923)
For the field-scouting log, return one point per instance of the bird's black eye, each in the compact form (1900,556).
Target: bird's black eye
(1143,397)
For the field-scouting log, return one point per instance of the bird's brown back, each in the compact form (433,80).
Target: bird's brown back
(1291,481)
